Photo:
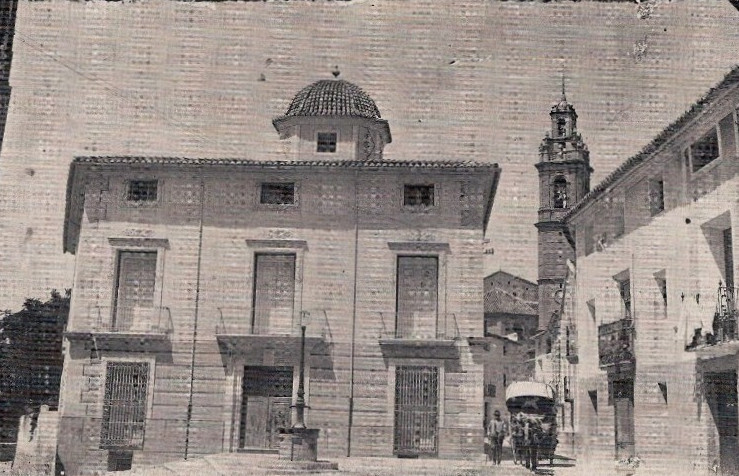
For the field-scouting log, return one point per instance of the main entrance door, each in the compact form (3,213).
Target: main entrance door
(722,400)
(416,410)
(623,403)
(265,405)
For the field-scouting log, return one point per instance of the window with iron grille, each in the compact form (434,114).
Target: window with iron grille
(134,294)
(142,190)
(418,195)
(277,193)
(124,405)
(326,142)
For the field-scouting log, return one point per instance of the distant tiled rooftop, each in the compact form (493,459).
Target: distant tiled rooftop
(498,301)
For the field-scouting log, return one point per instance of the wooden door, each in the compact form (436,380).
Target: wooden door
(723,401)
(623,403)
(265,407)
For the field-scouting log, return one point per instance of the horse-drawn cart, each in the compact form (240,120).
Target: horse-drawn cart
(533,424)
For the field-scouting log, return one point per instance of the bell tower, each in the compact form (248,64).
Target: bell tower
(564,178)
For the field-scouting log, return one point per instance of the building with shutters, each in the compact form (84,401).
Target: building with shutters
(655,300)
(194,276)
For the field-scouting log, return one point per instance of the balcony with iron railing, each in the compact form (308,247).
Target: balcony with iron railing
(124,328)
(616,343)
(724,338)
(419,335)
(251,337)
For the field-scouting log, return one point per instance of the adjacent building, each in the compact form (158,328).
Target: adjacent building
(511,304)
(193,278)
(655,303)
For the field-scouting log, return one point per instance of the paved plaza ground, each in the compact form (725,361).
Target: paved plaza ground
(267,465)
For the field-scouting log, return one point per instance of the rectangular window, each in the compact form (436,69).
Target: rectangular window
(326,142)
(134,293)
(656,196)
(124,405)
(705,150)
(417,296)
(142,190)
(418,195)
(619,223)
(728,258)
(274,293)
(728,136)
(277,193)
(624,288)
(490,390)
(588,238)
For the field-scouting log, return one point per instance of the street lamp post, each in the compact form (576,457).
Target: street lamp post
(300,401)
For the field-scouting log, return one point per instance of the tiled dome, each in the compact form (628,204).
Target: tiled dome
(333,97)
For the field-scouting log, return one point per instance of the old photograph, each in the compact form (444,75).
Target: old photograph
(369,237)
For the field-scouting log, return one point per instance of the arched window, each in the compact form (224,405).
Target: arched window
(559,192)
(561,127)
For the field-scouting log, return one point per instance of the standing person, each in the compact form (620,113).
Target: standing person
(497,430)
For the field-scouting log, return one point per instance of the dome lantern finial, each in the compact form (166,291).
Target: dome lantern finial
(564,97)
(336,71)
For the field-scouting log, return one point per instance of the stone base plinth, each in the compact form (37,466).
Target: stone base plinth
(299,444)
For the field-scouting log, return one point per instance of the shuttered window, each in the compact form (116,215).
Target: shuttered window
(134,287)
(124,405)
(274,293)
(417,296)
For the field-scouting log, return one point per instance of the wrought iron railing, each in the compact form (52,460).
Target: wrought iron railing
(616,343)
(725,318)
(231,321)
(419,326)
(107,319)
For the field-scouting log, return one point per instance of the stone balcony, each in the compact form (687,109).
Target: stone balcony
(420,336)
(146,330)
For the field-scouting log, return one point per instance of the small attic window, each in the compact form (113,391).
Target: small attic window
(142,190)
(418,195)
(326,142)
(277,193)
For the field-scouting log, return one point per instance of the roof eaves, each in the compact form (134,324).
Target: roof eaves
(662,139)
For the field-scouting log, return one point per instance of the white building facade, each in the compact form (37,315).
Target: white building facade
(655,316)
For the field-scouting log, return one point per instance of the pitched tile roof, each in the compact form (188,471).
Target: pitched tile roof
(499,301)
(139,160)
(730,80)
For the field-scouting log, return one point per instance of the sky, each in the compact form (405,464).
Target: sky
(465,80)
